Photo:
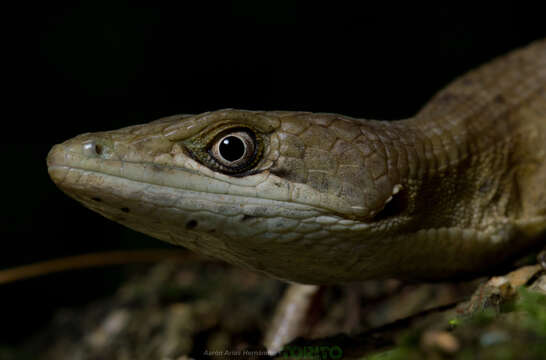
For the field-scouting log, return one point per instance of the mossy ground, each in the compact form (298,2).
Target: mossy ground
(208,310)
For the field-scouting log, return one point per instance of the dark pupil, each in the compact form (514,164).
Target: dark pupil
(232,148)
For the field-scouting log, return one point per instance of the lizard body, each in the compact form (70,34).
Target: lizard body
(324,198)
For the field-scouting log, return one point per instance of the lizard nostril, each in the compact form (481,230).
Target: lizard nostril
(191,224)
(98,149)
(92,148)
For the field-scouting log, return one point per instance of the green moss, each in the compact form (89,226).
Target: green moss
(514,330)
(534,304)
(481,318)
(454,322)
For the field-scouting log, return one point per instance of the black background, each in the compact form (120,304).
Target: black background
(88,66)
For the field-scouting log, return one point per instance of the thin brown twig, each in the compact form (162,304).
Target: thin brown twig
(91,260)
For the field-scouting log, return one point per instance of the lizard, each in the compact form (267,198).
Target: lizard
(320,198)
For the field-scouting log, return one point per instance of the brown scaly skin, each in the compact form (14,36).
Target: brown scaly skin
(455,190)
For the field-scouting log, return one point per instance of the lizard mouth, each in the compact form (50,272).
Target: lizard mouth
(94,184)
(67,162)
(115,187)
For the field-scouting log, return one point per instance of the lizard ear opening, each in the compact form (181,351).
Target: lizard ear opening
(397,205)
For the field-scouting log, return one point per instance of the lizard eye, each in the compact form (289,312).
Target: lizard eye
(234,150)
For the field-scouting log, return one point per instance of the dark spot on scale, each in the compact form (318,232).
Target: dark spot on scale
(191,224)
(157,168)
(97,199)
(125,209)
(247,217)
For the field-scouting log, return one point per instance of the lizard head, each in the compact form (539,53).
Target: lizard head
(294,195)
